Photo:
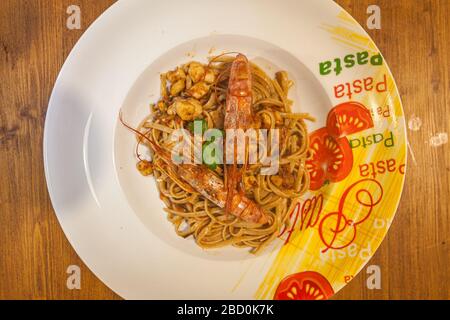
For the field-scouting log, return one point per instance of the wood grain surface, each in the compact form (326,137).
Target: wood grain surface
(34,253)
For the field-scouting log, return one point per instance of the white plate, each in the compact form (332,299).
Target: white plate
(111,215)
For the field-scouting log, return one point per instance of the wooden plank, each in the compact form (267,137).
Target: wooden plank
(34,253)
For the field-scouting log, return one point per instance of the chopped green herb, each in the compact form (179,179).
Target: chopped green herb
(199,123)
(211,154)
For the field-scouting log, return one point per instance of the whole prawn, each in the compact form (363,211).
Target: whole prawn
(238,115)
(207,183)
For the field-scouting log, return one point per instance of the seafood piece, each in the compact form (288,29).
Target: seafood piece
(196,71)
(199,90)
(145,167)
(186,109)
(177,87)
(176,75)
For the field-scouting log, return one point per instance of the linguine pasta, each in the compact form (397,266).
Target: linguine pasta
(204,87)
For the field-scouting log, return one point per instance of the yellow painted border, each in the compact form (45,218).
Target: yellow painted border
(304,252)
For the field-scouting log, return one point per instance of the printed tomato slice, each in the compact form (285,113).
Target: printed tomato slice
(307,285)
(330,159)
(348,118)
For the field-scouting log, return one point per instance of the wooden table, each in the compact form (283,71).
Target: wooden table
(34,253)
